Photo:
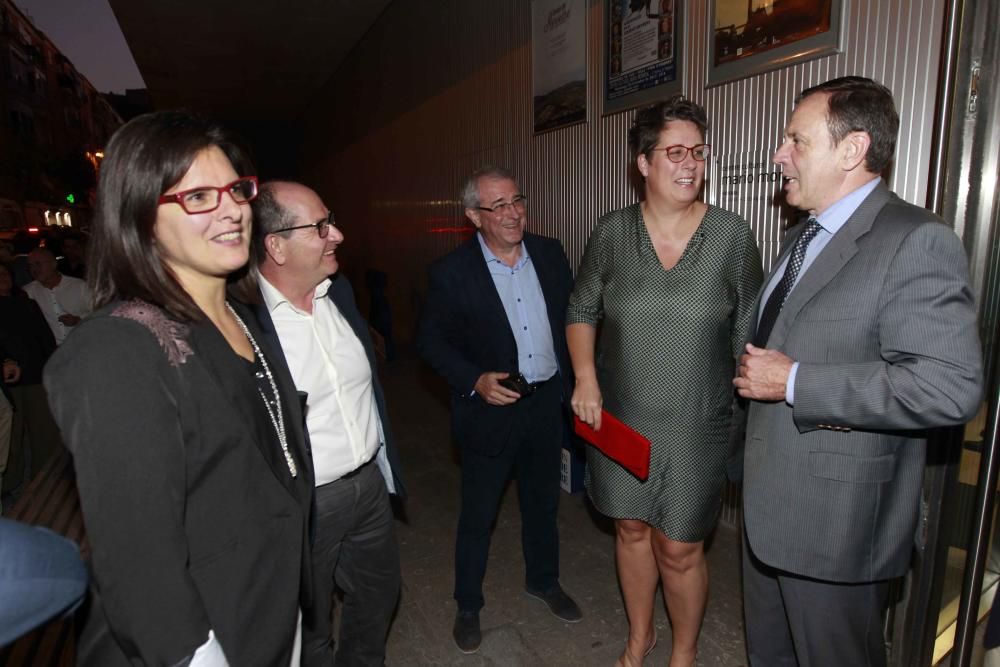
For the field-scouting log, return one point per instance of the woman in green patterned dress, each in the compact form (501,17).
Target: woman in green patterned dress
(672,282)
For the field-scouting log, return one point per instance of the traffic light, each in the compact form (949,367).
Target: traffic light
(71,198)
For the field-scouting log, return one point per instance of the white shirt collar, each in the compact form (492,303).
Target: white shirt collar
(273,298)
(490,257)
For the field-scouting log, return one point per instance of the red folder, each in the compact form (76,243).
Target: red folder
(618,442)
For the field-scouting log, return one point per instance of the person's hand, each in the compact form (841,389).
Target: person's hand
(586,403)
(490,390)
(763,374)
(69,320)
(11,371)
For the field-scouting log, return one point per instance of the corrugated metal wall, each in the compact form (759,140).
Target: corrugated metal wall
(439,87)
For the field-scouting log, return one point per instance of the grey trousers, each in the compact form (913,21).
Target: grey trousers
(355,551)
(796,621)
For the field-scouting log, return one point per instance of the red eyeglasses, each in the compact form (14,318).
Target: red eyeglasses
(677,153)
(208,197)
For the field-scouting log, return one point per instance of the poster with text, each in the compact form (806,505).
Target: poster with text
(559,62)
(642,54)
(749,184)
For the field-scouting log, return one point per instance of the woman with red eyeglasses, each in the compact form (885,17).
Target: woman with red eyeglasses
(190,459)
(672,282)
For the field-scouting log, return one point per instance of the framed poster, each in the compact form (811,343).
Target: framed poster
(642,52)
(754,36)
(558,62)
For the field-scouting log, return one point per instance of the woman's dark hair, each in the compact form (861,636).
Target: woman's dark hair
(145,158)
(651,120)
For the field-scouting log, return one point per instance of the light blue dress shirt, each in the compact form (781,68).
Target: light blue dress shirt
(831,221)
(524,303)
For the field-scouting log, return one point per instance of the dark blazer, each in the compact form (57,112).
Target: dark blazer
(883,324)
(26,335)
(4,355)
(194,520)
(464,332)
(342,295)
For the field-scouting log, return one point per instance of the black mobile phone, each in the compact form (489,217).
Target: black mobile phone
(516,382)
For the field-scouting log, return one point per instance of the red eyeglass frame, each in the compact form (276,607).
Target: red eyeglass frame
(178,197)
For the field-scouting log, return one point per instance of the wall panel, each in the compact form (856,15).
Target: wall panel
(439,87)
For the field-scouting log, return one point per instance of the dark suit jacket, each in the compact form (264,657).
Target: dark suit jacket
(464,332)
(3,385)
(342,295)
(25,337)
(883,324)
(193,518)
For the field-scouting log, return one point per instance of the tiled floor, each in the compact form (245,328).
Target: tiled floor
(518,630)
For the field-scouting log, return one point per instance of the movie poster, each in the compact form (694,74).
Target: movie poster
(559,62)
(643,55)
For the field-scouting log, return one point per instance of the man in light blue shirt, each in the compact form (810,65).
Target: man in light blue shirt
(494,327)
(524,304)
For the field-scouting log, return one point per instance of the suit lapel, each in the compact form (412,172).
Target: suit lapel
(841,248)
(267,339)
(353,318)
(220,362)
(543,269)
(481,286)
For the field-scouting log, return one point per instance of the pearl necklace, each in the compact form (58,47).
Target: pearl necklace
(273,406)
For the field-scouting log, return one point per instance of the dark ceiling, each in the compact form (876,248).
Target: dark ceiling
(255,61)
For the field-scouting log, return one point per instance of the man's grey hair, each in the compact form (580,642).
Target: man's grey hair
(470,193)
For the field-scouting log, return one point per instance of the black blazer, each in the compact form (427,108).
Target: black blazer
(3,385)
(464,332)
(193,518)
(25,337)
(342,295)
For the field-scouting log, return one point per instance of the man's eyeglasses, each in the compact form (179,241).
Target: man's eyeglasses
(518,203)
(322,227)
(677,153)
(207,198)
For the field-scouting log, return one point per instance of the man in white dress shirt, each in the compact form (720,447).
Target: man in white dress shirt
(63,300)
(308,311)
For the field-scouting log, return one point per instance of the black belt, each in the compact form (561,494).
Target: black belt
(537,385)
(356,471)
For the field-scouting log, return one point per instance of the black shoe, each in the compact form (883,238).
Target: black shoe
(466,631)
(561,605)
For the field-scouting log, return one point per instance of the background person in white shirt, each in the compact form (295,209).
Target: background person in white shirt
(309,312)
(64,300)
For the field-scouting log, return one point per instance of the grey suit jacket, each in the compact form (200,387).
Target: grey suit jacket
(883,324)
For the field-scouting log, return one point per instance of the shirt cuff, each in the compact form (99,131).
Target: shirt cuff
(790,384)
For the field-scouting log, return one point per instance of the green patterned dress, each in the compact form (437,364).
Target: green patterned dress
(666,348)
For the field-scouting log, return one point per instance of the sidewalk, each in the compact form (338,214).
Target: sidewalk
(518,630)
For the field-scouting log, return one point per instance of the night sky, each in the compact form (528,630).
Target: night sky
(87,33)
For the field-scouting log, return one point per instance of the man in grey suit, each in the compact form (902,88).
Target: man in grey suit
(866,337)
